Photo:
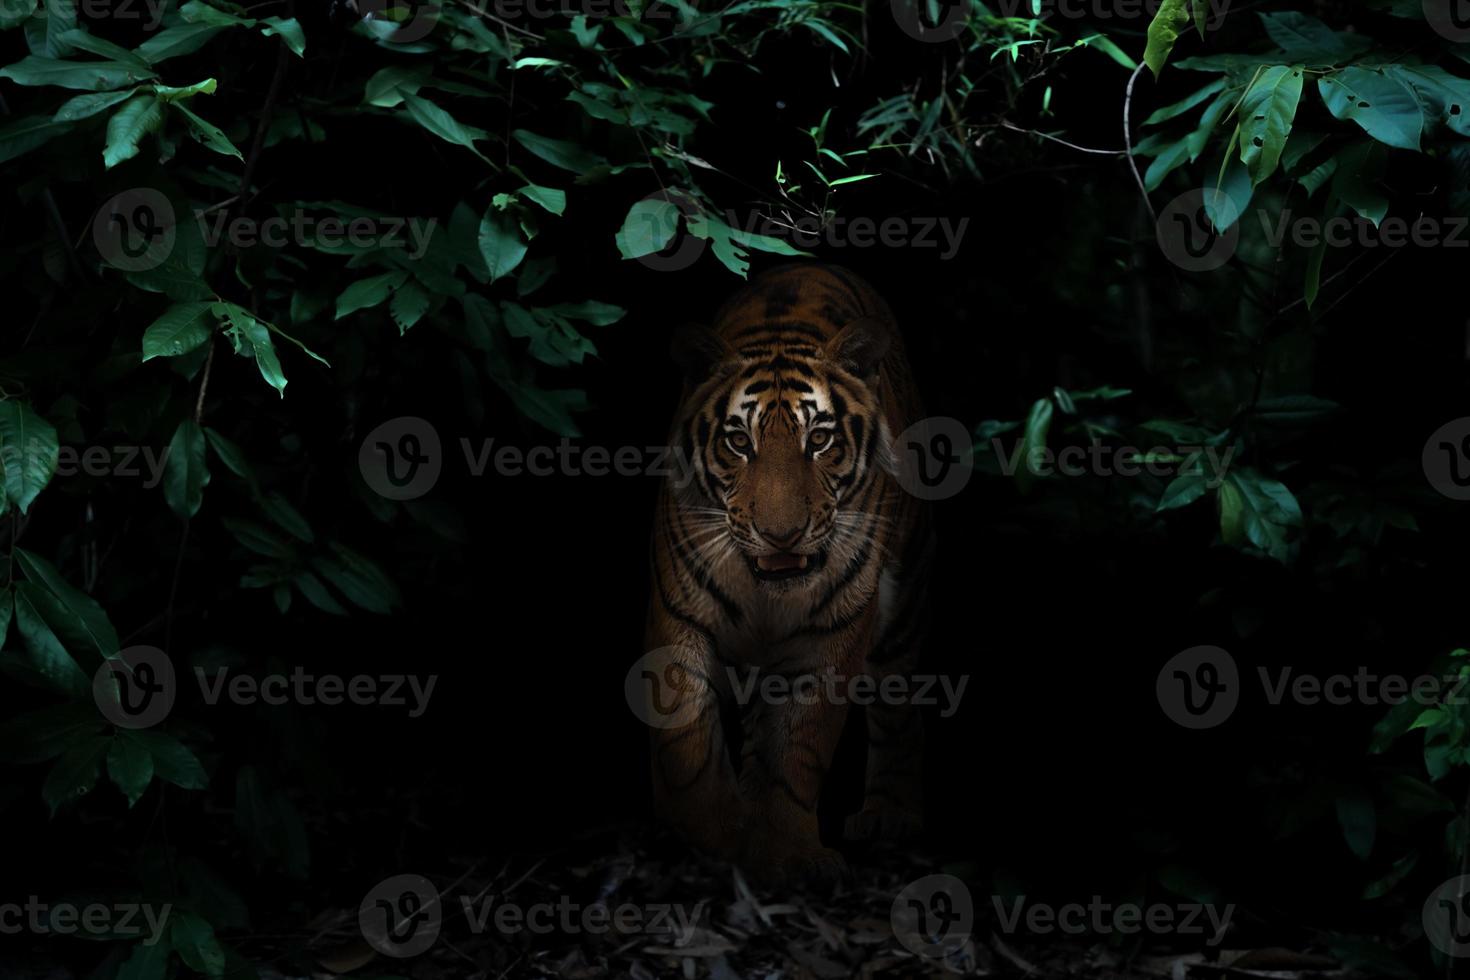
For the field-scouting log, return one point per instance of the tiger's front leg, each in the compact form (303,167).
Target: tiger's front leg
(789,745)
(694,782)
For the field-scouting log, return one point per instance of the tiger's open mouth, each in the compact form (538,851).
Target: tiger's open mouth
(786,565)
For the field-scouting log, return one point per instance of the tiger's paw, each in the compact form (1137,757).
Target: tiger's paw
(883,822)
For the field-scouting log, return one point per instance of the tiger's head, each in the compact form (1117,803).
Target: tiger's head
(787,442)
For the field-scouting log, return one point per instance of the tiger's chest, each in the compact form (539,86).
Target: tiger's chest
(795,628)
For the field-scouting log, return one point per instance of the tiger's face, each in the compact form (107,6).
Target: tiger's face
(788,441)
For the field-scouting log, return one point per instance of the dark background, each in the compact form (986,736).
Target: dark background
(1060,775)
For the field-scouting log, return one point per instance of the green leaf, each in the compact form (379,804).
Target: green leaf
(1389,881)
(387,87)
(732,245)
(1257,510)
(44,650)
(130,767)
(1446,95)
(251,337)
(260,540)
(1429,718)
(182,328)
(185,474)
(1033,439)
(1385,107)
(230,454)
(1182,491)
(1359,822)
(1355,182)
(36,736)
(28,453)
(170,93)
(176,41)
(1267,111)
(208,133)
(1167,161)
(500,242)
(1185,104)
(86,106)
(368,293)
(147,961)
(288,29)
(1098,42)
(316,593)
(1171,18)
(75,773)
(648,228)
(179,274)
(196,944)
(172,761)
(1307,39)
(78,618)
(26,134)
(359,579)
(15,12)
(559,153)
(88,76)
(286,517)
(409,304)
(549,198)
(441,124)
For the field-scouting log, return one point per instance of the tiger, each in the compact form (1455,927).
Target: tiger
(787,550)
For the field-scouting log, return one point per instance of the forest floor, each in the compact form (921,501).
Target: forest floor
(633,905)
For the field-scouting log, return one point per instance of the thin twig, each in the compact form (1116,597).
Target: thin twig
(1128,142)
(1047,136)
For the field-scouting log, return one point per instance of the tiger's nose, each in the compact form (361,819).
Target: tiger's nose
(782,539)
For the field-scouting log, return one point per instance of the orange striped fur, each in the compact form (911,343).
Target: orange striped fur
(792,551)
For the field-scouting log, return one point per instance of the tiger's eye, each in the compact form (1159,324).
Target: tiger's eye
(819,438)
(739,441)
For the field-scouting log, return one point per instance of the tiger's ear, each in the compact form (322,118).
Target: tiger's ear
(699,351)
(859,346)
